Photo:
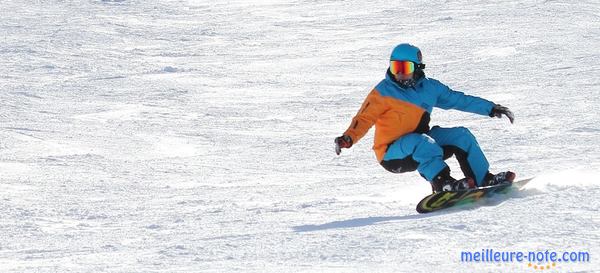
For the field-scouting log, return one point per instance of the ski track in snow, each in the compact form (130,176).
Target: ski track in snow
(187,136)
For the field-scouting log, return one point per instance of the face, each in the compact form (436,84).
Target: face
(403,77)
(402,70)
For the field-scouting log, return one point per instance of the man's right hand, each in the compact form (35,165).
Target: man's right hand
(342,142)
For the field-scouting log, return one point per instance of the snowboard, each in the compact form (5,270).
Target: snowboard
(446,199)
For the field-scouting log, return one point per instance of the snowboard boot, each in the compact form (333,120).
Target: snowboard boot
(444,182)
(502,177)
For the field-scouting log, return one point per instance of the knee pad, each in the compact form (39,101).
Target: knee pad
(407,164)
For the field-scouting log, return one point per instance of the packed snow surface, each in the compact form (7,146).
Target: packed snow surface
(197,136)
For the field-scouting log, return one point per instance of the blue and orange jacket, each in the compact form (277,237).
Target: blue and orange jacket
(396,111)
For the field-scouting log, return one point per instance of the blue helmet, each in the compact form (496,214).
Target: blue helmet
(407,52)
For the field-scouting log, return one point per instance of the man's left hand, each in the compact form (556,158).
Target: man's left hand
(500,110)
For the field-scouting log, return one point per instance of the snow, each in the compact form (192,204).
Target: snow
(196,136)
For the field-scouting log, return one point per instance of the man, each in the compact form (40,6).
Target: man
(400,106)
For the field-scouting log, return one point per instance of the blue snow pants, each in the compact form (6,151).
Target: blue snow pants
(426,153)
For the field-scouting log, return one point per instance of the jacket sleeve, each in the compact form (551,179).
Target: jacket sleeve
(450,99)
(367,115)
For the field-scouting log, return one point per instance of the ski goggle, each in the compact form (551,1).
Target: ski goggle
(402,67)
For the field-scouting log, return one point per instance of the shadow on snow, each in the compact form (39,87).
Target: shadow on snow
(367,221)
(491,201)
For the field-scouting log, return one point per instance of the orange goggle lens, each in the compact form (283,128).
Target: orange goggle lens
(402,67)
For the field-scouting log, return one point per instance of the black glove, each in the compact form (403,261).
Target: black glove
(500,110)
(342,142)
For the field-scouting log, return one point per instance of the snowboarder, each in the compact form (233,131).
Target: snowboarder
(400,107)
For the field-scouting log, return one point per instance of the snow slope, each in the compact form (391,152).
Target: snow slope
(196,136)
